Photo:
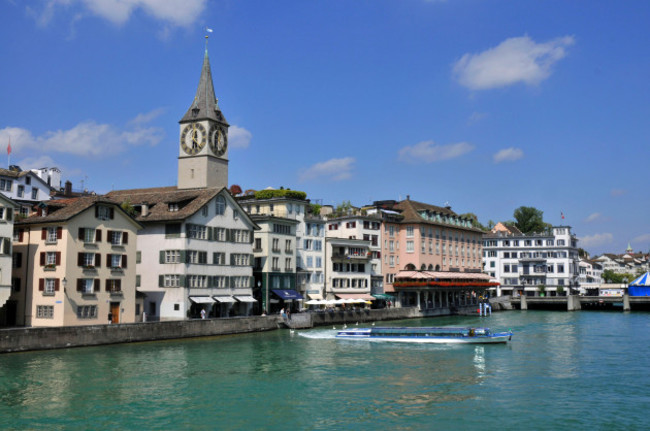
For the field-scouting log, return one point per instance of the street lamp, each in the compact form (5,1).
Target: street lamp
(65,282)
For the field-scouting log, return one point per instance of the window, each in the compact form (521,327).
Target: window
(50,258)
(240,259)
(89,235)
(195,231)
(172,280)
(113,285)
(560,267)
(276,264)
(220,234)
(87,312)
(44,311)
(287,264)
(172,256)
(172,230)
(409,246)
(117,237)
(276,245)
(310,262)
(319,262)
(204,211)
(199,281)
(219,258)
(116,260)
(235,214)
(561,242)
(21,191)
(86,285)
(87,260)
(50,286)
(308,244)
(5,185)
(194,256)
(287,246)
(103,213)
(52,234)
(221,205)
(34,193)
(282,229)
(409,231)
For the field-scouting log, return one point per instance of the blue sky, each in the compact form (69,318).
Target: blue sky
(486,105)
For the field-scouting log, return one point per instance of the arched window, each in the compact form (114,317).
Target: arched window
(410,267)
(430,267)
(221,205)
(423,267)
(437,267)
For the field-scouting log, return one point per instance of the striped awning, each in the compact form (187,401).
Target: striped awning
(201,300)
(361,296)
(224,299)
(245,298)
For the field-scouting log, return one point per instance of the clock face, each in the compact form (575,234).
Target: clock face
(193,138)
(218,140)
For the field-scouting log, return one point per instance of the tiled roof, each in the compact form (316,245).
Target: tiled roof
(410,210)
(64,209)
(158,200)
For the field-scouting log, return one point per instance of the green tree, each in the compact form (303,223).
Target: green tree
(610,276)
(530,220)
(474,219)
(344,208)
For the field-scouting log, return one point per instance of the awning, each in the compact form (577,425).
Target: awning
(384,296)
(201,299)
(224,298)
(245,299)
(364,296)
(287,295)
(315,296)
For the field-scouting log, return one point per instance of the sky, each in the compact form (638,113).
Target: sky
(483,105)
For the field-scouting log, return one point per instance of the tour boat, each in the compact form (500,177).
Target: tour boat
(427,335)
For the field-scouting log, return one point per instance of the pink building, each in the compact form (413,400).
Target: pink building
(431,256)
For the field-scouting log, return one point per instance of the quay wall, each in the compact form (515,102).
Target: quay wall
(27,339)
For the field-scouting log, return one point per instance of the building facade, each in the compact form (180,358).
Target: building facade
(8,210)
(25,188)
(534,264)
(431,255)
(74,264)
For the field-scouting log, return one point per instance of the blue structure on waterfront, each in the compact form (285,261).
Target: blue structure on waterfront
(640,286)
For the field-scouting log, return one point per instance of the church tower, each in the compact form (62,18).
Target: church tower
(203,149)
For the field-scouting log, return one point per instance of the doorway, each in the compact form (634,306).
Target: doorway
(115,312)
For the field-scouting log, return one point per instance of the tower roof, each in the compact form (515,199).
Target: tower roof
(205,105)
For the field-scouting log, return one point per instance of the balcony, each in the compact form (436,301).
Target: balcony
(352,256)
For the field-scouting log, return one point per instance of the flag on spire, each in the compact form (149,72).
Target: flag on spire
(9,146)
(562,215)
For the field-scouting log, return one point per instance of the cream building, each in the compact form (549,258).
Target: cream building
(8,210)
(74,264)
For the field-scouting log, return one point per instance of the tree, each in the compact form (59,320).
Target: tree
(530,220)
(610,276)
(343,209)
(235,190)
(583,253)
(474,219)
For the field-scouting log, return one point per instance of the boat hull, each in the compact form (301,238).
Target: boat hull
(427,335)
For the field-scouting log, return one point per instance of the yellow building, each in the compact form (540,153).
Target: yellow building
(74,264)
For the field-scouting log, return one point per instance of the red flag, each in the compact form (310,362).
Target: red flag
(562,216)
(9,146)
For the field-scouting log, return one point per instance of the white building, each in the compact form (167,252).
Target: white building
(26,188)
(533,264)
(368,229)
(51,176)
(590,278)
(7,211)
(348,271)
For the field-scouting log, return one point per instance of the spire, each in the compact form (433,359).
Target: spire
(205,104)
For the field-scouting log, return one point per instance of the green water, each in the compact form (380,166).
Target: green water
(581,370)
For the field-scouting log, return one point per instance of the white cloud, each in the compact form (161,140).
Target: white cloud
(518,59)
(333,170)
(508,155)
(476,117)
(181,13)
(147,117)
(42,161)
(429,151)
(593,217)
(88,139)
(238,137)
(618,192)
(642,238)
(595,240)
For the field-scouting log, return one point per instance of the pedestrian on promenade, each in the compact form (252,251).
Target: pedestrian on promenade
(282,313)
(202,313)
(288,314)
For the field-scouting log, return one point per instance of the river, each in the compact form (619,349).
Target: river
(562,370)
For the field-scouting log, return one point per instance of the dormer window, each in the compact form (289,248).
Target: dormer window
(104,212)
(173,207)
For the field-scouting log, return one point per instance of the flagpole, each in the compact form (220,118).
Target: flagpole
(9,153)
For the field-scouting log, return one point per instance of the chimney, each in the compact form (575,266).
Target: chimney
(68,188)
(145,210)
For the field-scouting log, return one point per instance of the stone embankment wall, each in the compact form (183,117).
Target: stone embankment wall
(25,339)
